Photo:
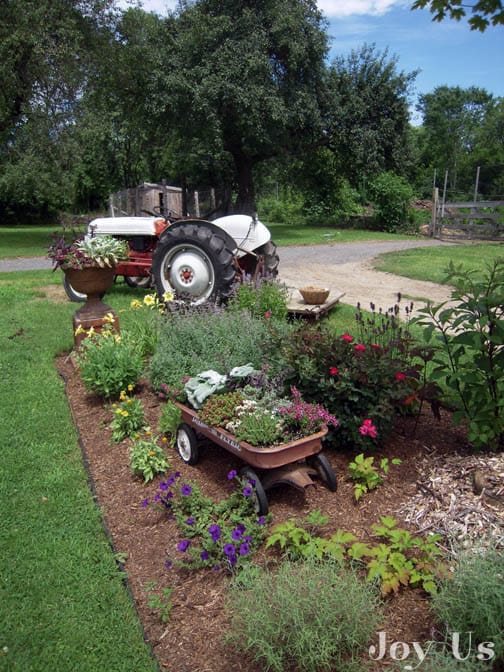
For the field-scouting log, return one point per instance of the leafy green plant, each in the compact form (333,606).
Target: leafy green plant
(311,616)
(145,328)
(469,363)
(260,428)
(219,409)
(160,602)
(365,474)
(401,560)
(262,298)
(108,362)
(391,196)
(86,251)
(147,458)
(129,416)
(169,420)
(221,535)
(471,599)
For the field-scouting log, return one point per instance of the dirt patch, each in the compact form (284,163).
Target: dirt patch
(193,638)
(54,293)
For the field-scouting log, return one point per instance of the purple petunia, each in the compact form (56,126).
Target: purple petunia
(229,549)
(186,489)
(163,485)
(236,535)
(145,503)
(191,520)
(261,520)
(215,532)
(232,559)
(183,545)
(244,549)
(168,564)
(247,491)
(204,555)
(232,474)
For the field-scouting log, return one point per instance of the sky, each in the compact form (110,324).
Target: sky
(446,53)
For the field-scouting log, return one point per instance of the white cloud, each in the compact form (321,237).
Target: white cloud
(344,8)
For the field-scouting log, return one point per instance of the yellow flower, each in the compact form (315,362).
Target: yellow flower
(125,414)
(151,453)
(91,331)
(149,300)
(123,395)
(135,304)
(168,296)
(147,432)
(137,436)
(131,387)
(80,330)
(117,338)
(128,401)
(164,439)
(109,317)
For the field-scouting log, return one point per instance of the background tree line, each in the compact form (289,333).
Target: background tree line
(237,95)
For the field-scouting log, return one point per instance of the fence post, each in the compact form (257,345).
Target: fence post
(435,203)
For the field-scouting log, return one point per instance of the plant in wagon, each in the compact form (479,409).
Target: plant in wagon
(109,362)
(214,535)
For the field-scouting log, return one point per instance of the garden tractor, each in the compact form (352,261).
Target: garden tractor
(195,259)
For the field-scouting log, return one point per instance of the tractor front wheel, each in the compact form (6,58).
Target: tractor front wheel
(195,261)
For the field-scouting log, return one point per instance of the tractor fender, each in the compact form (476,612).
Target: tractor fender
(230,242)
(247,232)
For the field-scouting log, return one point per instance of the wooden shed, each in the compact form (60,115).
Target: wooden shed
(147,198)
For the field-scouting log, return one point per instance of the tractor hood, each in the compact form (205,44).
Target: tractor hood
(247,232)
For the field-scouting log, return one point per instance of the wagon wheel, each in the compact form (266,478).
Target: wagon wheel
(258,493)
(324,469)
(194,260)
(187,444)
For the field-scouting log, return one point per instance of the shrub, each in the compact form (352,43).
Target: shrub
(109,362)
(363,382)
(129,417)
(469,363)
(472,600)
(313,616)
(198,339)
(147,458)
(391,196)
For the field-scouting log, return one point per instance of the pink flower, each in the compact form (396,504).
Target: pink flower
(400,376)
(368,429)
(267,314)
(333,371)
(375,346)
(347,338)
(359,347)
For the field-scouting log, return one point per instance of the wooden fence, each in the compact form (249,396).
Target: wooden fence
(467,220)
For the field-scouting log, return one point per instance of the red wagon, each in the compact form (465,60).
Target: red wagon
(294,463)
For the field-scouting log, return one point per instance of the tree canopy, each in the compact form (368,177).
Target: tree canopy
(483,12)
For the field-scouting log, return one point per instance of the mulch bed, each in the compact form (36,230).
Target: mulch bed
(193,637)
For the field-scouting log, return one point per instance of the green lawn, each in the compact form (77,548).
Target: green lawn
(63,604)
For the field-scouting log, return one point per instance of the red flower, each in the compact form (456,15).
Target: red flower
(368,429)
(267,314)
(359,347)
(375,346)
(347,338)
(400,376)
(333,371)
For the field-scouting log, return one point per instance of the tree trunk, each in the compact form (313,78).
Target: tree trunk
(245,201)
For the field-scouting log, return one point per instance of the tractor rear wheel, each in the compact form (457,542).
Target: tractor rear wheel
(195,261)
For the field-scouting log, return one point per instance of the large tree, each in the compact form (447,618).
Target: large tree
(452,118)
(483,12)
(368,118)
(245,77)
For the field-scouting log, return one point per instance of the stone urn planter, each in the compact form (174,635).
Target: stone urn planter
(93,282)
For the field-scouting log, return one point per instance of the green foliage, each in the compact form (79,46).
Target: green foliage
(145,326)
(284,209)
(109,362)
(469,363)
(401,560)
(129,417)
(363,381)
(365,473)
(221,535)
(312,616)
(208,339)
(391,196)
(147,458)
(159,602)
(219,409)
(263,298)
(472,598)
(260,428)
(170,419)
(483,13)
